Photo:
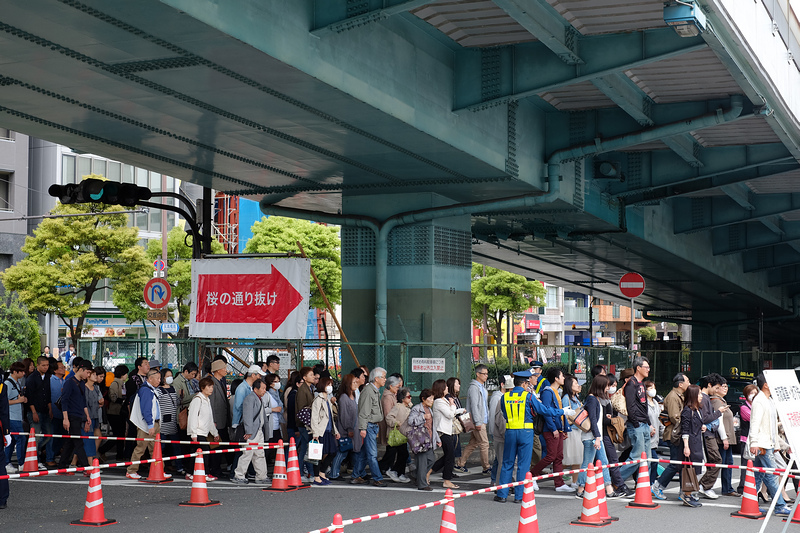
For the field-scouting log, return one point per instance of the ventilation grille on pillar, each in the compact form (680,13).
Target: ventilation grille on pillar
(410,245)
(358,247)
(452,247)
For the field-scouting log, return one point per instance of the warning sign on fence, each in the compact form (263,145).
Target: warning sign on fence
(422,364)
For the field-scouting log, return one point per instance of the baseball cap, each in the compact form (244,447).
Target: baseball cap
(255,369)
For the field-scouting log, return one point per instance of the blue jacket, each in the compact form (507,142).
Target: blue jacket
(73,398)
(553,422)
(242,391)
(532,406)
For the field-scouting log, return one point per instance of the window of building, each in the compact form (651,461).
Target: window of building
(551,299)
(615,311)
(155,182)
(84,167)
(127,174)
(99,167)
(114,171)
(67,169)
(5,191)
(6,134)
(141,177)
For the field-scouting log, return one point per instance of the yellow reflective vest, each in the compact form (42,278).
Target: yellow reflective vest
(515,410)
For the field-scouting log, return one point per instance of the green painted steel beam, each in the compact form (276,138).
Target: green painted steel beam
(547,25)
(529,69)
(686,147)
(704,214)
(335,16)
(781,277)
(751,236)
(778,256)
(739,193)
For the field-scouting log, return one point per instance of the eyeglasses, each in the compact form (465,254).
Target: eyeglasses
(484,373)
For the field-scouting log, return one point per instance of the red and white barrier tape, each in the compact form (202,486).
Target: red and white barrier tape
(132,439)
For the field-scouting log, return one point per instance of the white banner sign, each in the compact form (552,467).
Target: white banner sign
(250,298)
(421,364)
(785,391)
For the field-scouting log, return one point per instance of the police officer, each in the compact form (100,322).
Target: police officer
(519,407)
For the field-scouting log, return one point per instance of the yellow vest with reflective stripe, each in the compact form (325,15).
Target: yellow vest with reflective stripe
(515,410)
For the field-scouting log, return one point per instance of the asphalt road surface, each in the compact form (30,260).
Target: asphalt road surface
(51,503)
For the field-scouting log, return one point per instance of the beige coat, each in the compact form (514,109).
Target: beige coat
(320,417)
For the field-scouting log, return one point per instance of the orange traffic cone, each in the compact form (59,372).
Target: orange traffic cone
(199,496)
(643,498)
(279,480)
(448,514)
(293,471)
(749,497)
(795,519)
(31,458)
(528,519)
(93,513)
(590,513)
(600,487)
(156,474)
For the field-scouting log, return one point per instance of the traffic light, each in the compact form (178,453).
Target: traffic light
(100,191)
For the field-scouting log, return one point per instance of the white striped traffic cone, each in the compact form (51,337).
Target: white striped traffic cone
(94,514)
(528,518)
(199,495)
(448,515)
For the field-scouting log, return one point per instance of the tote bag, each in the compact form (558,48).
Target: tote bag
(315,450)
(689,481)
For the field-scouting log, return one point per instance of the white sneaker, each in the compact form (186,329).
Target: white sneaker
(393,476)
(403,479)
(535,486)
(565,488)
(11,469)
(709,493)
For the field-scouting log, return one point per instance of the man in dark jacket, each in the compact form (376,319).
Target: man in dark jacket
(38,394)
(221,409)
(76,414)
(5,424)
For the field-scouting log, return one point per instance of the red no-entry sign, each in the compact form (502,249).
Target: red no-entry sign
(631,285)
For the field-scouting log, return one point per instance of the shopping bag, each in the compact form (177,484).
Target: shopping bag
(314,450)
(689,481)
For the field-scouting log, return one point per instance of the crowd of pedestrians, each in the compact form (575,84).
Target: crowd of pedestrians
(531,423)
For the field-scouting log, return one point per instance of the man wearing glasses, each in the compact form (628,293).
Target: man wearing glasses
(478,408)
(638,421)
(370,412)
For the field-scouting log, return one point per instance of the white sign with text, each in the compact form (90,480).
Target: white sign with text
(423,364)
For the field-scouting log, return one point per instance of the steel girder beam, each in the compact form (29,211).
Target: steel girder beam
(631,99)
(739,193)
(528,69)
(708,213)
(778,256)
(789,275)
(545,23)
(665,175)
(334,16)
(751,236)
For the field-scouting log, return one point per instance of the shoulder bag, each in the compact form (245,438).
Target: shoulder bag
(304,416)
(396,438)
(466,422)
(581,420)
(419,439)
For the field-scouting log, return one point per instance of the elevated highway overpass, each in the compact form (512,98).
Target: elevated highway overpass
(567,140)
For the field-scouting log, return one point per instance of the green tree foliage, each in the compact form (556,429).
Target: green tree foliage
(502,292)
(647,333)
(321,244)
(179,268)
(19,332)
(69,259)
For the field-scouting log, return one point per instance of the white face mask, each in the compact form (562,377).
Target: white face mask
(612,390)
(276,385)
(169,380)
(750,398)
(329,389)
(651,393)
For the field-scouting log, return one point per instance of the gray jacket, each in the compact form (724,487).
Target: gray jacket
(476,407)
(220,406)
(369,406)
(252,415)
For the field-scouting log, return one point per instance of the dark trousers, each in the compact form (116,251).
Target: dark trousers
(396,457)
(675,454)
(130,444)
(4,487)
(554,456)
(215,459)
(611,453)
(74,446)
(446,462)
(118,423)
(712,456)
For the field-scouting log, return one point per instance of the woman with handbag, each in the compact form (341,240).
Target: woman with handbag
(692,428)
(302,408)
(323,430)
(592,440)
(656,427)
(169,402)
(349,439)
(620,489)
(745,409)
(388,401)
(200,424)
(394,419)
(453,390)
(422,438)
(573,446)
(444,411)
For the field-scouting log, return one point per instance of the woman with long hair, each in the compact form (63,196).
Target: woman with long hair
(453,390)
(323,430)
(347,423)
(592,440)
(692,428)
(745,409)
(444,411)
(573,446)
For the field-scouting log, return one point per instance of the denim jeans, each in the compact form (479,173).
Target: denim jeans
(727,473)
(360,462)
(640,442)
(337,463)
(675,454)
(653,466)
(771,480)
(16,425)
(302,447)
(371,451)
(591,455)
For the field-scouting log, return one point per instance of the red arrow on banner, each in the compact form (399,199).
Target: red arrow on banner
(246,298)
